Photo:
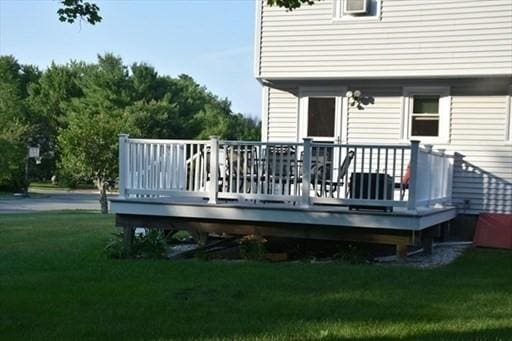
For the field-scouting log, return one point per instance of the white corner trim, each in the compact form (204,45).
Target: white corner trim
(508,117)
(257,38)
(444,112)
(264,112)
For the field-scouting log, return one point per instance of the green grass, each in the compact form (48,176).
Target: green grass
(55,283)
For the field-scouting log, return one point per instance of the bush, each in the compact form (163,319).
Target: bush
(253,248)
(150,245)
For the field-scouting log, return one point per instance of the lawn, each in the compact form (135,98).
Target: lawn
(56,283)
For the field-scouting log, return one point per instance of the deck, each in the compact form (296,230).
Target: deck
(306,189)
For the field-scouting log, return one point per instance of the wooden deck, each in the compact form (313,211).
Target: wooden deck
(301,190)
(318,215)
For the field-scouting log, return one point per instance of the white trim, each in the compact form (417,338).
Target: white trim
(338,93)
(508,118)
(264,112)
(444,113)
(257,38)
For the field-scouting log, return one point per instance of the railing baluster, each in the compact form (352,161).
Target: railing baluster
(386,151)
(288,171)
(402,191)
(354,174)
(273,170)
(370,189)
(323,190)
(314,161)
(361,179)
(339,176)
(244,171)
(377,181)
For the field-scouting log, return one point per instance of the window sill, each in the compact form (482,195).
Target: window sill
(433,141)
(347,18)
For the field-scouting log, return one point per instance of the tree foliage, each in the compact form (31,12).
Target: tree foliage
(71,10)
(290,4)
(75,112)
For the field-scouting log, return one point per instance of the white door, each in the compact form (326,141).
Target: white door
(321,116)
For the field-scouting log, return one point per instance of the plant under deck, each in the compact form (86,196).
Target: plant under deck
(56,283)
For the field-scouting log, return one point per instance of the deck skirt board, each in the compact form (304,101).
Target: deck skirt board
(334,216)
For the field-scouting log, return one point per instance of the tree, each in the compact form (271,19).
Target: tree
(88,143)
(72,10)
(76,111)
(16,121)
(49,99)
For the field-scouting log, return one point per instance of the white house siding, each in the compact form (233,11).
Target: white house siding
(412,38)
(281,122)
(483,177)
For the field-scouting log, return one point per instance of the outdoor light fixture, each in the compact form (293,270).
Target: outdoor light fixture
(354,97)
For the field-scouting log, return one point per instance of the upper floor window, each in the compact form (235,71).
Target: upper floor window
(356,9)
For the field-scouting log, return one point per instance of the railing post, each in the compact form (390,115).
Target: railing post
(429,172)
(442,191)
(415,148)
(123,164)
(306,172)
(214,169)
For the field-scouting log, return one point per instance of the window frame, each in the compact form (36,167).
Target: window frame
(340,118)
(339,15)
(444,113)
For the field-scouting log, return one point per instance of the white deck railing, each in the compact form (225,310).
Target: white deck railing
(305,173)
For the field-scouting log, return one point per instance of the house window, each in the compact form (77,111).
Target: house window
(347,9)
(426,114)
(321,115)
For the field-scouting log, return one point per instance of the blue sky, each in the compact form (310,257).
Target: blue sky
(211,40)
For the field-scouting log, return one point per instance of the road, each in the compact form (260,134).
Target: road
(50,201)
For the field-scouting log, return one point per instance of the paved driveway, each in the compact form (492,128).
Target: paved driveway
(49,201)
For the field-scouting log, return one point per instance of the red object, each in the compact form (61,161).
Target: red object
(407,176)
(494,230)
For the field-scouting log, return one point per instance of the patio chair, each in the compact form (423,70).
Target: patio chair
(321,173)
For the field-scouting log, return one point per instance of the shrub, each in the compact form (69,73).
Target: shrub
(149,245)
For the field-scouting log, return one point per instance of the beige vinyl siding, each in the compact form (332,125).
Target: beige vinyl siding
(412,38)
(483,176)
(283,115)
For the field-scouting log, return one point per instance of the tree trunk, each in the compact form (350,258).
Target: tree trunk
(102,186)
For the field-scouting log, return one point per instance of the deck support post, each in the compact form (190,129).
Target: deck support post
(123,164)
(128,234)
(427,241)
(214,169)
(401,251)
(306,176)
(415,148)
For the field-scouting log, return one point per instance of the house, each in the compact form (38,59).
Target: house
(435,71)
(382,120)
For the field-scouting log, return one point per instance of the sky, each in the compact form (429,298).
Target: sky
(210,40)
